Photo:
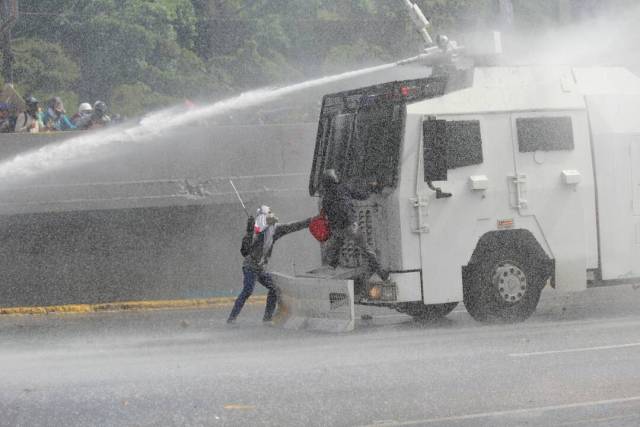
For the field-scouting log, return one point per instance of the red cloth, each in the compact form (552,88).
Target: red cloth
(319,228)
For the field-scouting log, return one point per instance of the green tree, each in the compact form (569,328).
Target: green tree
(353,55)
(44,69)
(120,43)
(164,50)
(132,99)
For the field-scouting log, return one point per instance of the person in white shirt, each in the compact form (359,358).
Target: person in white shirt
(84,110)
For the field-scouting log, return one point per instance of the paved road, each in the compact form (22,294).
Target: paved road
(576,362)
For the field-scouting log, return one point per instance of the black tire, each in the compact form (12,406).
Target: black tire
(430,312)
(505,285)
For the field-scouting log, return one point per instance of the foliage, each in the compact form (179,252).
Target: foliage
(145,53)
(353,55)
(120,43)
(131,99)
(43,68)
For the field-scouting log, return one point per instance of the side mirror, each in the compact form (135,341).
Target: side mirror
(434,150)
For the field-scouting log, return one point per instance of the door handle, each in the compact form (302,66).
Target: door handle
(439,193)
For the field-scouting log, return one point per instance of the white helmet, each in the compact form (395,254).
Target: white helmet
(85,107)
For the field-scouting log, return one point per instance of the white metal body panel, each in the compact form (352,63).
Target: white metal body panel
(502,89)
(406,193)
(455,223)
(565,213)
(408,286)
(613,101)
(562,217)
(556,200)
(616,138)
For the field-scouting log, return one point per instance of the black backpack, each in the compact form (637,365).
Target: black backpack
(247,240)
(245,249)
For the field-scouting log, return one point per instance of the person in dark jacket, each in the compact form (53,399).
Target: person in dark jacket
(337,203)
(98,118)
(6,123)
(257,246)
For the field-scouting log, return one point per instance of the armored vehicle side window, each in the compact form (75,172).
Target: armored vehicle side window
(464,143)
(544,133)
(450,145)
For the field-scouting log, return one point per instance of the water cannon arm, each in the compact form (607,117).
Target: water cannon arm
(435,55)
(419,20)
(438,52)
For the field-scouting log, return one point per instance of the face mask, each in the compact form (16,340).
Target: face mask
(261,218)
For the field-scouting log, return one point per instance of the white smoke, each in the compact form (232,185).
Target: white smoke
(611,39)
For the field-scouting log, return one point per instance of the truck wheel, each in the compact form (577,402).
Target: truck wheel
(429,312)
(505,286)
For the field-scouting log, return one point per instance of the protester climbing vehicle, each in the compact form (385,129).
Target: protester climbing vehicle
(497,181)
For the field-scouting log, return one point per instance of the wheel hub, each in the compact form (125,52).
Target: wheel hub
(510,281)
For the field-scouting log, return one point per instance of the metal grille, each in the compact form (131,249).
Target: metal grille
(337,300)
(367,217)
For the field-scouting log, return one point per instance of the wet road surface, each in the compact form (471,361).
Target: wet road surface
(575,362)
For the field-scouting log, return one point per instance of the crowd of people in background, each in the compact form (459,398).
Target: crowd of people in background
(52,116)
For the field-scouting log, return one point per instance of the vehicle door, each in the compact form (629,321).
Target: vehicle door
(452,194)
(552,188)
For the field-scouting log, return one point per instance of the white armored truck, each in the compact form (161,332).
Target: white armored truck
(497,182)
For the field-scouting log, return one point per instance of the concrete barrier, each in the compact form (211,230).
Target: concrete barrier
(151,222)
(315,303)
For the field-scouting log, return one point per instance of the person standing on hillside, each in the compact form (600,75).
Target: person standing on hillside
(257,245)
(84,110)
(55,118)
(97,119)
(6,124)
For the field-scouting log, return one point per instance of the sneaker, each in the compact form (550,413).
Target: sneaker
(231,321)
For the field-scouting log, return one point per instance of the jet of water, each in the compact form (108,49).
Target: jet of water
(90,146)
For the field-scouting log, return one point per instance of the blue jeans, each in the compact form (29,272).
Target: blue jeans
(249,283)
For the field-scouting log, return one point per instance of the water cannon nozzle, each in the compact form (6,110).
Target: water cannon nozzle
(442,52)
(419,20)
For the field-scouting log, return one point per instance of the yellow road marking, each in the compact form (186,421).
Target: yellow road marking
(131,305)
(241,407)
